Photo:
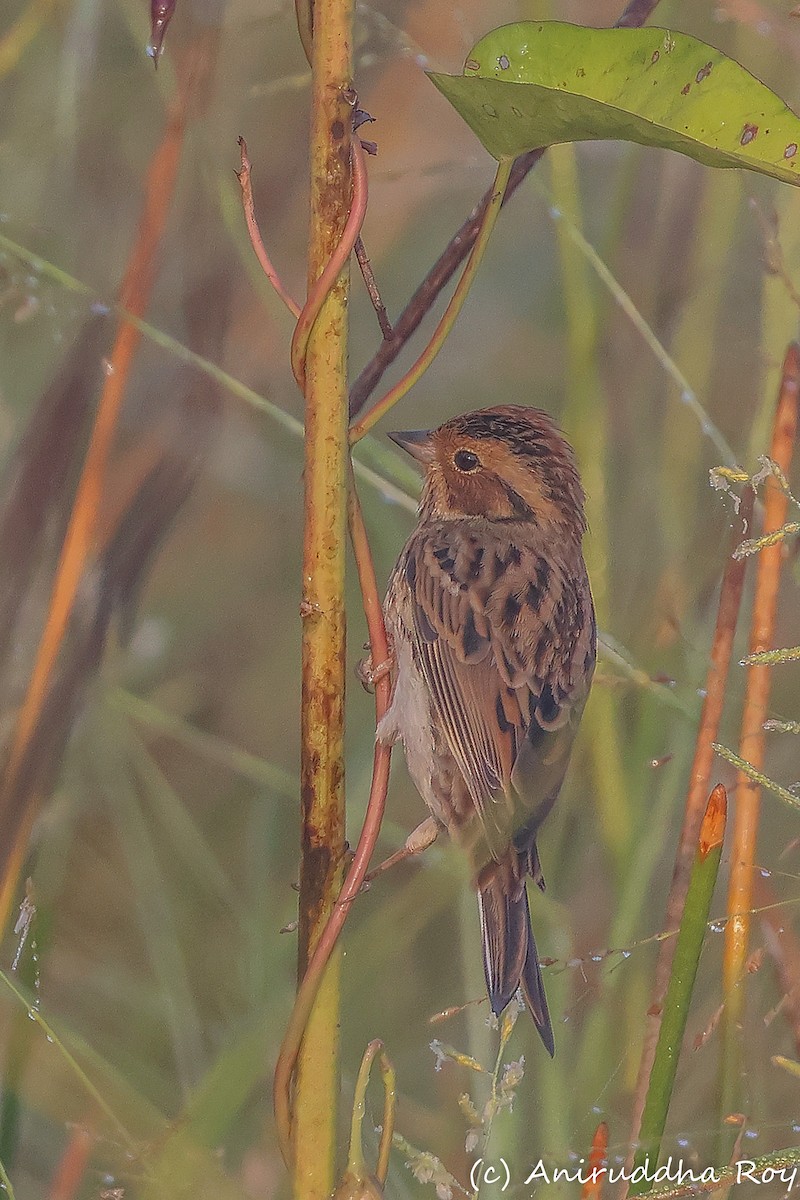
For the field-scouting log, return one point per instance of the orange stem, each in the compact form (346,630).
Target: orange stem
(748,794)
(71,1170)
(16,817)
(256,240)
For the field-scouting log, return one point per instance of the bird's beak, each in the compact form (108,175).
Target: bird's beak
(417,442)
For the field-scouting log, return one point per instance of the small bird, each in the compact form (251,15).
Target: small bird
(490,618)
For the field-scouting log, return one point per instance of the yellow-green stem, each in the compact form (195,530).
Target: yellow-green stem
(357,1174)
(404,385)
(323,652)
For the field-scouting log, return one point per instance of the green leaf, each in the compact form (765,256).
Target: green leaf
(534,83)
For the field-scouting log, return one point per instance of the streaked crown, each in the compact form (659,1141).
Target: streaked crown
(507,463)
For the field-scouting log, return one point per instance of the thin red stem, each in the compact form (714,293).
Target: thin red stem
(256,240)
(317,294)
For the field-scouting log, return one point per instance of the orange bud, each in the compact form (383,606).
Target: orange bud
(712,830)
(598,1157)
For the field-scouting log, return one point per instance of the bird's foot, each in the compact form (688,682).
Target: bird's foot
(418,840)
(370,674)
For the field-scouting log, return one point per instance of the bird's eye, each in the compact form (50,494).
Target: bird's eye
(465,460)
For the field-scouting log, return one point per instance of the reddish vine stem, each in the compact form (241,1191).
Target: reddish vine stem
(256,241)
(317,294)
(635,14)
(306,994)
(307,315)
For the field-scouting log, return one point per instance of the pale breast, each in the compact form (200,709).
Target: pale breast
(409,718)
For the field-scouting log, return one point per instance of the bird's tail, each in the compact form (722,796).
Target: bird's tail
(510,960)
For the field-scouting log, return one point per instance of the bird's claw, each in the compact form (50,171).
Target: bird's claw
(369,675)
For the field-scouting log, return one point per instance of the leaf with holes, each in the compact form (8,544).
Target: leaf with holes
(538,82)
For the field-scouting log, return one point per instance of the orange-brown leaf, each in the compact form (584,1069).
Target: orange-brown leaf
(598,1157)
(712,830)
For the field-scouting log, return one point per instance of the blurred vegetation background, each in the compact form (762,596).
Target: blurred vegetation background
(164,858)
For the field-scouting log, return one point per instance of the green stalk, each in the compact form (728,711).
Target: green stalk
(323,652)
(358,1183)
(448,318)
(586,423)
(21,1040)
(679,993)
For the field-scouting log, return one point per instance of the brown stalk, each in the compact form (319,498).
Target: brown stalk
(730,598)
(18,805)
(308,1049)
(635,15)
(368,276)
(752,738)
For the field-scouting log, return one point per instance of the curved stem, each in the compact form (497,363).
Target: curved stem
(323,285)
(387,1132)
(290,1046)
(356,1167)
(491,213)
(635,14)
(256,241)
(304,12)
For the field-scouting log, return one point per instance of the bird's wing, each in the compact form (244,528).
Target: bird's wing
(504,637)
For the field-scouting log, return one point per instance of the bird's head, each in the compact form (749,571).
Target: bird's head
(507,463)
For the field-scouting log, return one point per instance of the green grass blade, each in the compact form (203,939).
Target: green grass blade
(22,1031)
(679,993)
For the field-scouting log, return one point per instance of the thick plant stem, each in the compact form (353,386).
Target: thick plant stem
(323,650)
(306,995)
(751,744)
